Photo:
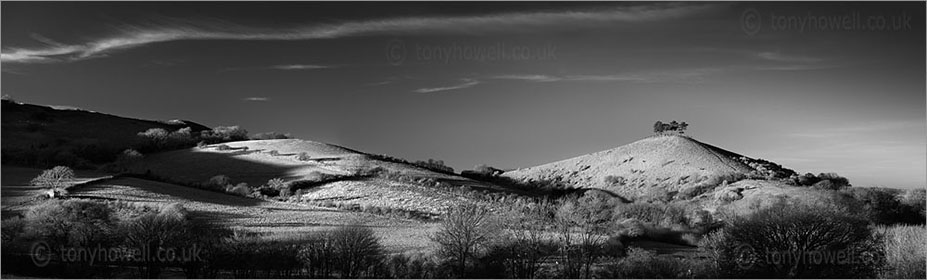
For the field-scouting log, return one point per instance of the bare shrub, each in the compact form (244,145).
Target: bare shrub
(348,252)
(914,200)
(70,222)
(279,186)
(657,213)
(270,136)
(256,256)
(741,248)
(158,139)
(401,266)
(165,229)
(482,171)
(318,255)
(241,189)
(221,134)
(155,138)
(616,180)
(887,206)
(73,223)
(434,165)
(276,183)
(130,155)
(523,246)
(644,264)
(358,249)
(905,252)
(218,182)
(582,226)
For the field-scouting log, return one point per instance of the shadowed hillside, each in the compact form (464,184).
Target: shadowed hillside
(34,134)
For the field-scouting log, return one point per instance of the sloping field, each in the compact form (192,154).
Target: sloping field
(409,196)
(253,163)
(16,193)
(654,164)
(259,215)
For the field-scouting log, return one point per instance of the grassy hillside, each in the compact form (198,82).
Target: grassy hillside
(256,161)
(393,186)
(652,167)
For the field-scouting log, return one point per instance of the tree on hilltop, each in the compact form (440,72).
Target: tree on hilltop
(675,127)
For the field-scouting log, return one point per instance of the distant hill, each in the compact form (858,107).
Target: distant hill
(33,133)
(36,135)
(659,167)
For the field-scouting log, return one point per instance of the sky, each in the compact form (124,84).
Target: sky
(816,87)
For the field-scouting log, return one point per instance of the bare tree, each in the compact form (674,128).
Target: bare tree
(466,231)
(583,227)
(525,244)
(357,248)
(55,178)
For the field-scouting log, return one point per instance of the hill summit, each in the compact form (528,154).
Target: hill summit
(657,167)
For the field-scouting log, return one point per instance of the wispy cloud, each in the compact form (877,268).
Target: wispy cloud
(778,61)
(300,67)
(380,83)
(256,99)
(550,78)
(858,130)
(466,83)
(780,57)
(793,67)
(765,60)
(667,76)
(529,77)
(131,36)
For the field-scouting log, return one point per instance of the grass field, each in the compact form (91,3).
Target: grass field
(261,216)
(16,193)
(240,213)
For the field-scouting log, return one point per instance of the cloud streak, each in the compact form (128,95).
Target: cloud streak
(133,36)
(300,67)
(256,99)
(679,75)
(780,57)
(466,83)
